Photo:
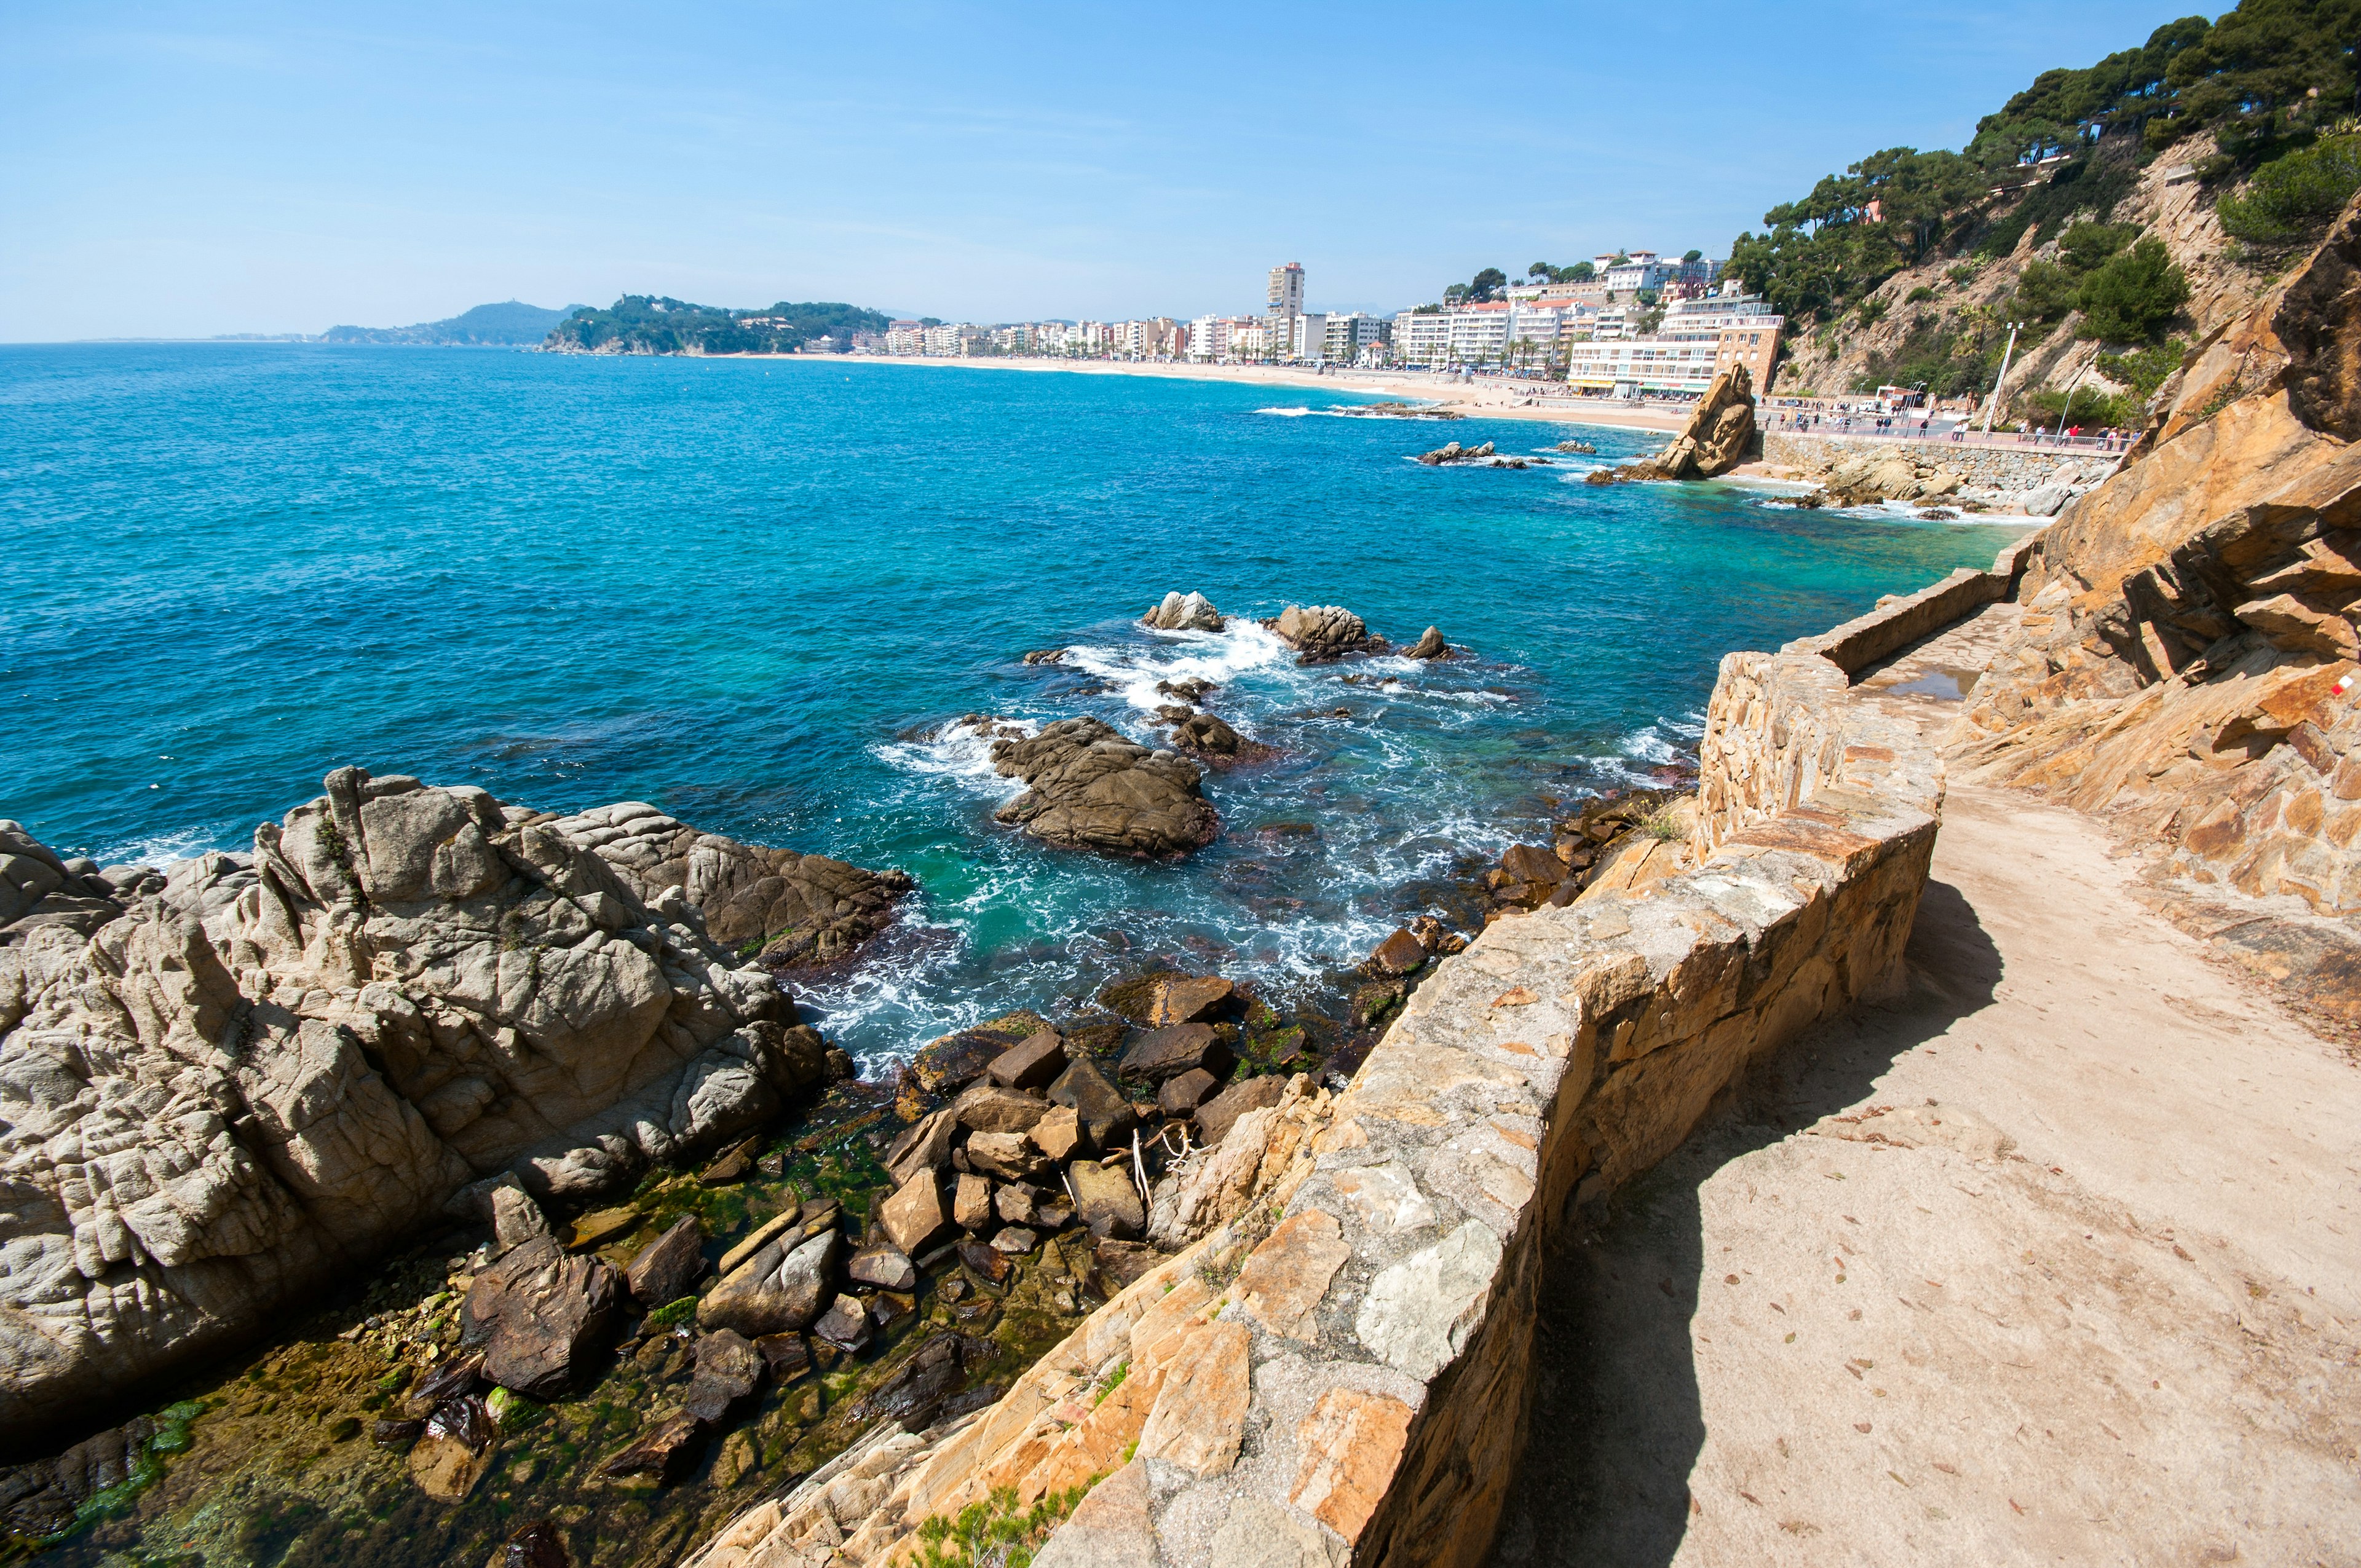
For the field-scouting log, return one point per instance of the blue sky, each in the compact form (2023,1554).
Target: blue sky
(188,169)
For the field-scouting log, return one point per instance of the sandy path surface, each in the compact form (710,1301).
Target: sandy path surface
(2056,1260)
(1485,399)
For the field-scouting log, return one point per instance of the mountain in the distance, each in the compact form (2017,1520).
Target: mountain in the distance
(511,324)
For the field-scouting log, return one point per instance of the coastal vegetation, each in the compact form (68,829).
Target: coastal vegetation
(2257,106)
(645,323)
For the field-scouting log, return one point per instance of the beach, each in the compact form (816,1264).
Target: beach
(1488,399)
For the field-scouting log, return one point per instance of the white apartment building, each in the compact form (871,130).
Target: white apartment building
(1216,339)
(905,337)
(1480,333)
(1422,338)
(1641,270)
(1307,335)
(1253,338)
(1697,340)
(1287,290)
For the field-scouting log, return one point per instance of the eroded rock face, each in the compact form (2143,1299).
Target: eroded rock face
(775,904)
(38,890)
(1719,437)
(2185,661)
(274,1064)
(1090,788)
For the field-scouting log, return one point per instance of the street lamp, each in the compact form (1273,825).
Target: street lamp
(1993,407)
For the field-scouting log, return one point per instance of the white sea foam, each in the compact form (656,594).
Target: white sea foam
(1219,657)
(161,849)
(959,754)
(1647,746)
(1285,413)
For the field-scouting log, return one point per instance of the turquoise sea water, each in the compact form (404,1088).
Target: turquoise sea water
(752,593)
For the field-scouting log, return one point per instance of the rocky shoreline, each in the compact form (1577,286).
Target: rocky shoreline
(643,1236)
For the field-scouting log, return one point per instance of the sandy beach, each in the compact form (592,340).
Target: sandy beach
(1484,398)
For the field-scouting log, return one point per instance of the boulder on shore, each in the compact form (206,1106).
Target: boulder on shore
(1087,788)
(277,1063)
(537,1312)
(1184,612)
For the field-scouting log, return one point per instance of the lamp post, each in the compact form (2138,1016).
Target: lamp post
(1993,407)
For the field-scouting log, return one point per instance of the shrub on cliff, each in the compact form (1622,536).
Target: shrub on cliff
(2133,297)
(2144,369)
(2292,198)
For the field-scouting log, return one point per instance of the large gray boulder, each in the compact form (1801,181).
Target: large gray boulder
(1322,631)
(268,1067)
(1088,787)
(1184,612)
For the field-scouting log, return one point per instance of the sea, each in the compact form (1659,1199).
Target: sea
(758,594)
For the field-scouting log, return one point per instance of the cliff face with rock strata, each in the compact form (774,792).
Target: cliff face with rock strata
(2186,660)
(272,1066)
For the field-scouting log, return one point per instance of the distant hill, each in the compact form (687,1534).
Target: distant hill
(508,325)
(645,323)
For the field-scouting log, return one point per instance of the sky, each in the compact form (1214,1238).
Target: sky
(188,169)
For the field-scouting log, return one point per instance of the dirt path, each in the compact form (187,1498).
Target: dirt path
(2058,1260)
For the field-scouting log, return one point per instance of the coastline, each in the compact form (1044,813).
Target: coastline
(1476,400)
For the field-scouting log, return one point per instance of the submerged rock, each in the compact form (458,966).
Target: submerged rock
(536,1545)
(1090,788)
(729,1368)
(663,1452)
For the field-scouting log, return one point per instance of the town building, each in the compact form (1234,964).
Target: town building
(1423,336)
(1286,290)
(1629,272)
(1352,336)
(1697,340)
(1308,335)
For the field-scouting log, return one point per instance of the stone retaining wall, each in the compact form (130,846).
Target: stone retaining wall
(1991,467)
(1340,1372)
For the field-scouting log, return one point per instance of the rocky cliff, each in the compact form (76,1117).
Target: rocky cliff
(2186,658)
(1947,295)
(219,1086)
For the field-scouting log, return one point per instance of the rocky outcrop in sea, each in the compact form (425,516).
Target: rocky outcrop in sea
(1323,631)
(1184,612)
(1719,435)
(227,1085)
(1089,787)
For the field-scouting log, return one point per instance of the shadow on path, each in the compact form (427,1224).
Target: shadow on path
(1617,1424)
